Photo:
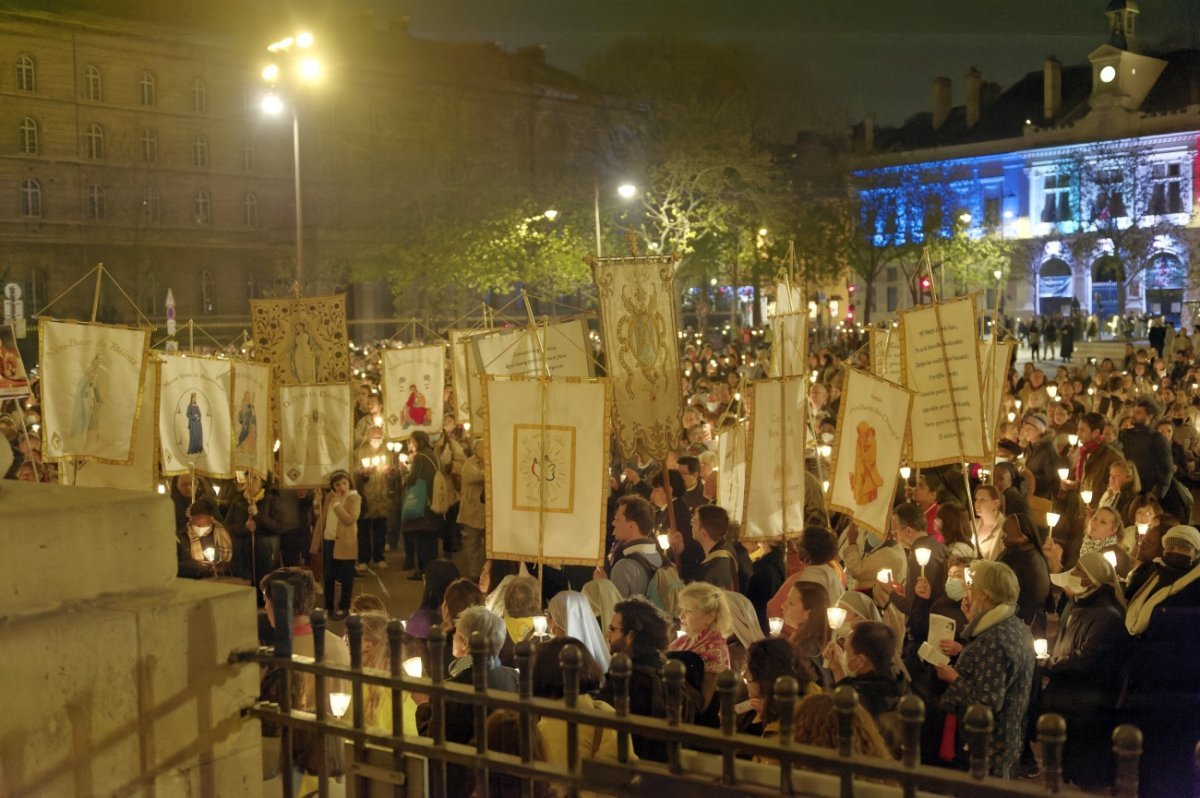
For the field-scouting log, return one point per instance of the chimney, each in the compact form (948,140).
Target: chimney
(869,132)
(1051,88)
(941,101)
(974,84)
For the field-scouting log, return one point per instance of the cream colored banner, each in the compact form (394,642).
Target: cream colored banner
(775,459)
(637,310)
(193,415)
(731,476)
(304,340)
(885,354)
(252,439)
(14,382)
(316,433)
(547,469)
(142,472)
(789,350)
(517,351)
(994,360)
(91,386)
(460,358)
(872,422)
(789,298)
(414,379)
(942,430)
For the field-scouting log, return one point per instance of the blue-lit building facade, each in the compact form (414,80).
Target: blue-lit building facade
(1063,163)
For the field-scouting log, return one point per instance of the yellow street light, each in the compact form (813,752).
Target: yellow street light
(272,104)
(270,73)
(310,69)
(551,214)
(762,231)
(304,40)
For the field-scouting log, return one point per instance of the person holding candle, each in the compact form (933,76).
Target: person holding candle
(804,612)
(1084,669)
(864,555)
(1095,456)
(924,576)
(205,547)
(376,482)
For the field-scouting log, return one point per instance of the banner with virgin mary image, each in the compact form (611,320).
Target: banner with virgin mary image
(547,469)
(775,459)
(872,422)
(414,380)
(317,433)
(193,415)
(304,339)
(638,302)
(142,471)
(91,389)
(252,439)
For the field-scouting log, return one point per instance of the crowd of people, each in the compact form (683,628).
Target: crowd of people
(1061,576)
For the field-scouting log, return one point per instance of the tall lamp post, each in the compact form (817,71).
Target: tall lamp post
(626,191)
(300,66)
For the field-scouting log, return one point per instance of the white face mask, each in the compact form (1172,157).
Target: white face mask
(1068,581)
(826,437)
(713,406)
(201,531)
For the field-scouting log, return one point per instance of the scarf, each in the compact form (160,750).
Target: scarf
(1085,451)
(1096,544)
(989,619)
(1142,606)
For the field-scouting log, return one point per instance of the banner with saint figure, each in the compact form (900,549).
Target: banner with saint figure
(547,469)
(317,433)
(252,439)
(91,386)
(637,311)
(304,339)
(193,415)
(872,421)
(142,471)
(413,390)
(775,459)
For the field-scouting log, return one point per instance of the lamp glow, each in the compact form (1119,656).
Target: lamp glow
(304,40)
(836,616)
(1086,495)
(540,625)
(272,104)
(210,554)
(884,575)
(1052,520)
(905,472)
(339,703)
(310,69)
(1041,648)
(1063,473)
(627,190)
(775,623)
(664,541)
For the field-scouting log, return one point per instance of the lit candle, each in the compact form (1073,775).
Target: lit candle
(162,489)
(366,462)
(664,541)
(413,667)
(1052,520)
(922,555)
(540,625)
(776,625)
(1073,439)
(1143,528)
(216,490)
(1063,472)
(339,703)
(825,486)
(884,575)
(1041,648)
(905,472)
(836,617)
(210,554)
(825,451)
(278,443)
(1086,495)
(466,426)
(1052,390)
(1111,556)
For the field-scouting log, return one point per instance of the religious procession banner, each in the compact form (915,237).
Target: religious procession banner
(413,395)
(547,469)
(731,469)
(637,311)
(317,433)
(304,339)
(460,358)
(995,358)
(91,387)
(940,362)
(142,471)
(872,422)
(14,382)
(789,298)
(885,353)
(517,351)
(774,498)
(789,348)
(193,415)
(252,440)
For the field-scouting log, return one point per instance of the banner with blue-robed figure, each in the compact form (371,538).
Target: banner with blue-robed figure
(194,419)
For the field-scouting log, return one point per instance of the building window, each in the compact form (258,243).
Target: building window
(250,209)
(1110,195)
(149,146)
(199,96)
(94,142)
(148,92)
(96,209)
(1057,205)
(202,205)
(1168,189)
(93,88)
(208,293)
(151,206)
(31,199)
(29,136)
(991,212)
(247,156)
(893,298)
(26,73)
(200,152)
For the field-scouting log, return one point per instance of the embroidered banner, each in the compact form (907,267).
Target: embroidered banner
(91,387)
(317,433)
(731,474)
(872,422)
(775,459)
(547,469)
(193,415)
(14,382)
(638,301)
(252,439)
(304,340)
(413,390)
(517,351)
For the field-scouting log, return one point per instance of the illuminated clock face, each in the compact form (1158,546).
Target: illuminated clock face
(1108,74)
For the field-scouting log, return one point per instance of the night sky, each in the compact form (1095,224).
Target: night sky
(847,57)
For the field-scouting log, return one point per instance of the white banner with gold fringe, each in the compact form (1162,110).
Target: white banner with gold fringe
(317,433)
(142,471)
(193,415)
(413,397)
(731,473)
(775,459)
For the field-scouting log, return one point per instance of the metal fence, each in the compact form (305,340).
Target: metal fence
(415,766)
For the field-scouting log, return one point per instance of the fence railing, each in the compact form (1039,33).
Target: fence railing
(394,761)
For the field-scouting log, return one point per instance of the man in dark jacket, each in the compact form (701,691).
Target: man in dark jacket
(639,631)
(1041,459)
(1147,449)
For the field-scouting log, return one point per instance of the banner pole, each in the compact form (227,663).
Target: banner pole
(96,293)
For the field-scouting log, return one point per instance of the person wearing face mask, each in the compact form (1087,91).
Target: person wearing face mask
(865,663)
(914,595)
(1162,693)
(995,668)
(865,554)
(1083,672)
(201,535)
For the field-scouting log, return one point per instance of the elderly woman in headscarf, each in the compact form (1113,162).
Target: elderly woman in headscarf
(995,668)
(1084,669)
(1023,553)
(571,616)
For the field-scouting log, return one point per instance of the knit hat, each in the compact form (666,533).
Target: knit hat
(1037,421)
(1182,533)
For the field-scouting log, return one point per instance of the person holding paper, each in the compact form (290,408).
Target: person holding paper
(996,666)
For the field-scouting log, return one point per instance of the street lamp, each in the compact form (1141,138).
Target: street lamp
(624,191)
(307,69)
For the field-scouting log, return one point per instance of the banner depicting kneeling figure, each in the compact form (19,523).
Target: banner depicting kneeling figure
(547,469)
(193,415)
(91,385)
(316,434)
(775,459)
(872,422)
(413,395)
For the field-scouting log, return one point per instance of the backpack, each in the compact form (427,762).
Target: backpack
(663,588)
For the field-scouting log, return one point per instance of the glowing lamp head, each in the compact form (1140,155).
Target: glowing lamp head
(310,69)
(922,555)
(1108,74)
(1086,495)
(1111,556)
(905,472)
(664,541)
(627,190)
(775,623)
(413,667)
(339,703)
(272,104)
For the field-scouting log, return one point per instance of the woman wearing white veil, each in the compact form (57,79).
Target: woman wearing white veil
(571,616)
